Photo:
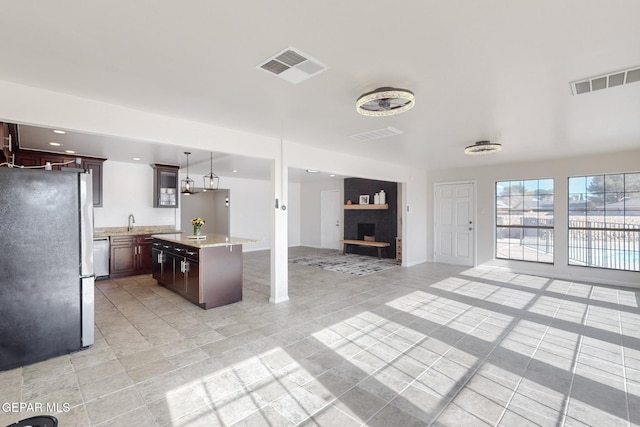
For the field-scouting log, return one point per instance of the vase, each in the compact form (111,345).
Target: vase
(196,230)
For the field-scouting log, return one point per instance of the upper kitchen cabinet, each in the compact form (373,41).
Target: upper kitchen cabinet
(7,141)
(95,166)
(165,186)
(57,162)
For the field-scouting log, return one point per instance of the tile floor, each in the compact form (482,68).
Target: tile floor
(428,345)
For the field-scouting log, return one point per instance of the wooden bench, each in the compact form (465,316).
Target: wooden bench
(379,245)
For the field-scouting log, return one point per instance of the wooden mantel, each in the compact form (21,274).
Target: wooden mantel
(366,207)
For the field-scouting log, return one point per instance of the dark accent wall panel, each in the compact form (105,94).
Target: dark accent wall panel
(385,221)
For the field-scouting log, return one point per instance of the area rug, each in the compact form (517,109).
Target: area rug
(358,265)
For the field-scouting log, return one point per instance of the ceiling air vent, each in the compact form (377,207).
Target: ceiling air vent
(376,134)
(617,78)
(292,65)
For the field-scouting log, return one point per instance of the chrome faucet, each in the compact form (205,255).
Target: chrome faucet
(132,220)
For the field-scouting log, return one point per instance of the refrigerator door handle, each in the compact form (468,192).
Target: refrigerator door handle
(87,310)
(86,224)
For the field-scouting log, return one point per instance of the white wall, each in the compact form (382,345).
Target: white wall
(128,189)
(311,209)
(294,219)
(485,179)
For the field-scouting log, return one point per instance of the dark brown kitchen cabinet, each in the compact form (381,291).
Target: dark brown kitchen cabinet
(57,161)
(95,166)
(165,186)
(123,256)
(206,276)
(130,255)
(192,280)
(144,254)
(26,158)
(7,142)
(162,262)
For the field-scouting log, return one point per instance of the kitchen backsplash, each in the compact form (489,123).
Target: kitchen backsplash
(143,229)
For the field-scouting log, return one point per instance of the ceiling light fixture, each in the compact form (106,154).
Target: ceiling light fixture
(59,132)
(70,151)
(55,144)
(211,180)
(385,101)
(482,147)
(187,184)
(137,159)
(312,171)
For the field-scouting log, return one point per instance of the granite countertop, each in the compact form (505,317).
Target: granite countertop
(124,231)
(210,241)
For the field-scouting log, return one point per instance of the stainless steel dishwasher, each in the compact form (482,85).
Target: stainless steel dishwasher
(101,251)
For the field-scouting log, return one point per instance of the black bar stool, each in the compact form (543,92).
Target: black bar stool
(39,421)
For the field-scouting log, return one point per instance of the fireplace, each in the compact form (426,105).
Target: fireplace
(366,231)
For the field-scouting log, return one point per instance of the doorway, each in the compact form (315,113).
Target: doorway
(331,212)
(454,223)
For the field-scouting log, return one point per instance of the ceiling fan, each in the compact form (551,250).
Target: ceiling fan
(385,101)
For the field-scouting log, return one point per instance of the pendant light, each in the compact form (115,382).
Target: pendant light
(187,184)
(211,180)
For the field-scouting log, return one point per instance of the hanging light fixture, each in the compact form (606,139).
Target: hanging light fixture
(482,147)
(211,180)
(187,184)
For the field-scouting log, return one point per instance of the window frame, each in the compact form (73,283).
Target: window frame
(608,228)
(548,228)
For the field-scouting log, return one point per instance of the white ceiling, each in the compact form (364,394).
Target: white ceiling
(488,69)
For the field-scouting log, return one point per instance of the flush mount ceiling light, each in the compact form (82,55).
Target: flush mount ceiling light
(482,147)
(211,180)
(187,184)
(385,101)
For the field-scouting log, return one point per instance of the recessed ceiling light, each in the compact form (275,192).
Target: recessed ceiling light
(332,175)
(136,158)
(70,151)
(55,144)
(59,132)
(235,171)
(312,171)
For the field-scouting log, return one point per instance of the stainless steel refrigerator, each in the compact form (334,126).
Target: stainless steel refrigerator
(46,264)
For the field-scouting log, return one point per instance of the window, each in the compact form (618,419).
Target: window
(524,220)
(604,221)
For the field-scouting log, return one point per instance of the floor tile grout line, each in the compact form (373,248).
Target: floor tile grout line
(624,362)
(574,367)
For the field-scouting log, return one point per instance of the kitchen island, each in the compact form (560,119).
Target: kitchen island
(206,271)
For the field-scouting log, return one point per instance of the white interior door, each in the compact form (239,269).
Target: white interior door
(454,232)
(331,212)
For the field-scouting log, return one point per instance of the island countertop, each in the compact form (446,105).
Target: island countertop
(211,240)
